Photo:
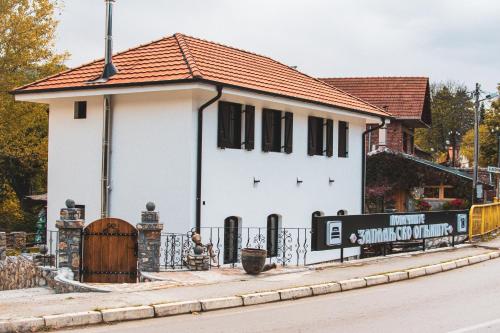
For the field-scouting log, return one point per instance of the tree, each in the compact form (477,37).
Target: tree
(27,34)
(452,116)
(488,140)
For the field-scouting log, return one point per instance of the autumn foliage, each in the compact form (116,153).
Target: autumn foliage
(27,33)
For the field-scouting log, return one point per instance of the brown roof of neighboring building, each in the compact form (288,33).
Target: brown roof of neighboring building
(406,98)
(180,58)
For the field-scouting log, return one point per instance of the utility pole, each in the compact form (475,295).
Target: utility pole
(476,144)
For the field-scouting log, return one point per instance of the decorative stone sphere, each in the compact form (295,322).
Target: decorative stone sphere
(70,203)
(150,206)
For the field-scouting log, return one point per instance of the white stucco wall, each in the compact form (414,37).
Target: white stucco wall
(229,190)
(154,159)
(74,168)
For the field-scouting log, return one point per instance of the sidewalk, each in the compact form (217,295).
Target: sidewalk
(40,303)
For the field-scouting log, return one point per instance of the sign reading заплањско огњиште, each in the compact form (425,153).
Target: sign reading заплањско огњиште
(345,231)
(403,228)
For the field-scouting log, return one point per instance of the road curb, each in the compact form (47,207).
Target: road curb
(128,313)
(177,308)
(295,293)
(221,303)
(73,319)
(261,298)
(352,284)
(376,280)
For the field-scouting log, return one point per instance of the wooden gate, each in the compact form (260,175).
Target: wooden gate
(109,252)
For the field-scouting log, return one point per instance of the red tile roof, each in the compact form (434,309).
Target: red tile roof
(404,97)
(180,58)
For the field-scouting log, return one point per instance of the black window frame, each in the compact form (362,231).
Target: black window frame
(343,142)
(229,127)
(277,131)
(273,226)
(319,136)
(232,237)
(80,110)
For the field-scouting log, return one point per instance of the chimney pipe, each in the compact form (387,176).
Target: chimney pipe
(109,68)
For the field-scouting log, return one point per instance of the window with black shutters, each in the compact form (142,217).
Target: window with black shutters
(343,139)
(329,137)
(80,110)
(320,136)
(229,125)
(249,127)
(272,235)
(273,137)
(232,118)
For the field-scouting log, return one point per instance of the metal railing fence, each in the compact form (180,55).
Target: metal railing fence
(285,246)
(484,219)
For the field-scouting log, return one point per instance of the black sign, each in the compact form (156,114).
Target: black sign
(332,232)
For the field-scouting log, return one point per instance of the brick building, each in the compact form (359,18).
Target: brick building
(406,98)
(394,164)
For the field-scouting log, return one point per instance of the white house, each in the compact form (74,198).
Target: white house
(205,131)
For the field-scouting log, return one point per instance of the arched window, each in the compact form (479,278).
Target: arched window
(232,231)
(314,229)
(273,227)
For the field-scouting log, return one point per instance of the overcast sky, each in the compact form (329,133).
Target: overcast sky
(455,40)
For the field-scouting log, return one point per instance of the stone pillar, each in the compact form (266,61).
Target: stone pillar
(149,241)
(3,245)
(70,238)
(17,239)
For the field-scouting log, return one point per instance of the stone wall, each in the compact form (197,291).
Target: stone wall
(3,245)
(21,272)
(149,241)
(18,273)
(70,237)
(16,240)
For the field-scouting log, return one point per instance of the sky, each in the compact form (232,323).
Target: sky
(445,40)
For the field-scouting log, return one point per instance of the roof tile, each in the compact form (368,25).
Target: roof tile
(180,57)
(404,97)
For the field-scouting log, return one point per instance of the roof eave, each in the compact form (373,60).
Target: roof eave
(196,80)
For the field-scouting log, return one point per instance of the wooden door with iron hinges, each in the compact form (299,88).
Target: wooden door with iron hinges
(109,252)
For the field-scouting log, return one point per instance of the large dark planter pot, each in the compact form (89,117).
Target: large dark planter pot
(253,260)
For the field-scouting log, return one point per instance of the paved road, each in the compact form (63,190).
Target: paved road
(463,300)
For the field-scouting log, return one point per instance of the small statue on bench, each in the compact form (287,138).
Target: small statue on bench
(199,258)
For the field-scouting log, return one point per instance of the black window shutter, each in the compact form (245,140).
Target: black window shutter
(249,127)
(288,132)
(329,137)
(343,130)
(311,136)
(221,122)
(266,130)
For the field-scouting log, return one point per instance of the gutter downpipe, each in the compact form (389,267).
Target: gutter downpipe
(108,71)
(106,156)
(199,155)
(363,163)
